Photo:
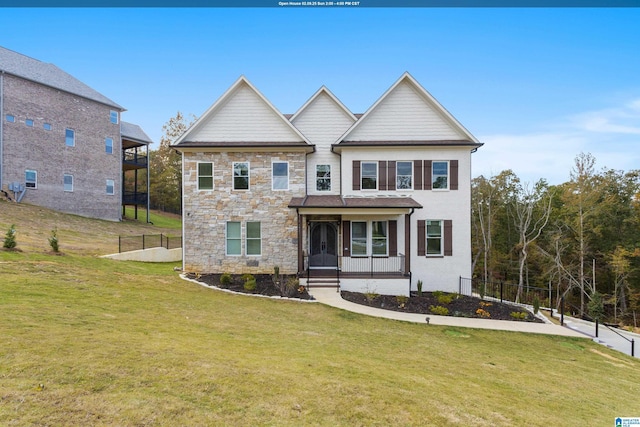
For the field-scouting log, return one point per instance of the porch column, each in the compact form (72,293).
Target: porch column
(300,257)
(407,243)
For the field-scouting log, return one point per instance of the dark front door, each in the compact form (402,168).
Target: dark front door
(323,245)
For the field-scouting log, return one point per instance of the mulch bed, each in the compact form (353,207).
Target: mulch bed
(265,285)
(460,305)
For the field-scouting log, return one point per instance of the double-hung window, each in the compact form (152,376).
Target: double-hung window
(440,175)
(404,175)
(70,137)
(369,176)
(108,145)
(358,238)
(46,126)
(31,178)
(369,238)
(205,176)
(111,187)
(434,237)
(113,116)
(29,122)
(234,238)
(68,182)
(11,118)
(240,175)
(379,238)
(280,176)
(323,177)
(253,238)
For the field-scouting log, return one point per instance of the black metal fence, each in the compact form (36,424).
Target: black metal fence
(505,291)
(147,241)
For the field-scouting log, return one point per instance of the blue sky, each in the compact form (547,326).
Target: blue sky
(537,86)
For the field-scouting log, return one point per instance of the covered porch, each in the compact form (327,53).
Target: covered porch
(351,242)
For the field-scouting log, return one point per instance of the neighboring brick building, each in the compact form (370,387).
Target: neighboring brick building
(61,140)
(373,202)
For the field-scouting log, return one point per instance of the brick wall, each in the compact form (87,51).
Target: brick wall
(207,212)
(45,151)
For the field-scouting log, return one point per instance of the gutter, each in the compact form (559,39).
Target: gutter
(1,123)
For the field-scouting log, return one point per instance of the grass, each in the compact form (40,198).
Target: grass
(125,343)
(159,219)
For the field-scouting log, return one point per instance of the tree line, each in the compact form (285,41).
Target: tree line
(580,238)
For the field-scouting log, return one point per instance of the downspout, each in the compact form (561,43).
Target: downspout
(149,185)
(1,123)
(407,247)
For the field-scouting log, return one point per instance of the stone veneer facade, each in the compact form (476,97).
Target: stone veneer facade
(45,151)
(207,212)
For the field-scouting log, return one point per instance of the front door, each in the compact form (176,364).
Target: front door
(323,245)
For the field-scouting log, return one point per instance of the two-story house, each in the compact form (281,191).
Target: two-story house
(374,202)
(62,143)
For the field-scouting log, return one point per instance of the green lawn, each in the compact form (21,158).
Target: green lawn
(157,218)
(132,344)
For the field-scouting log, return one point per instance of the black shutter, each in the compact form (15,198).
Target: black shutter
(356,175)
(391,175)
(382,175)
(422,237)
(346,238)
(427,174)
(453,174)
(417,171)
(393,238)
(448,237)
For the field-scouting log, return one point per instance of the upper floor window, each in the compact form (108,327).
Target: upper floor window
(280,175)
(110,187)
(404,175)
(29,122)
(113,116)
(240,175)
(369,176)
(434,237)
(70,137)
(108,145)
(10,118)
(440,175)
(68,182)
(254,238)
(233,237)
(46,126)
(205,176)
(31,178)
(323,177)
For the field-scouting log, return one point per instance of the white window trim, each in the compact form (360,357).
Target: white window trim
(273,176)
(198,177)
(426,238)
(64,184)
(369,239)
(226,238)
(112,186)
(107,145)
(111,115)
(233,177)
(35,181)
(433,176)
(330,178)
(74,137)
(246,238)
(412,175)
(362,176)
(10,118)
(29,123)
(44,126)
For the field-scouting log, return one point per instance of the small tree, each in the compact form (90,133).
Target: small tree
(53,240)
(10,238)
(596,306)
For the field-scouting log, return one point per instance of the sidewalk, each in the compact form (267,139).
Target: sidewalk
(606,336)
(330,297)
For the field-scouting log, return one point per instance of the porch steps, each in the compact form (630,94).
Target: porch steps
(322,282)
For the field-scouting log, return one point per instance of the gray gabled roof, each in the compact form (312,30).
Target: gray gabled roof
(134,132)
(48,74)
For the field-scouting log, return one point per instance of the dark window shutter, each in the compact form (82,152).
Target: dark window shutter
(356,174)
(427,174)
(422,237)
(417,171)
(448,237)
(346,238)
(382,175)
(391,175)
(393,238)
(453,174)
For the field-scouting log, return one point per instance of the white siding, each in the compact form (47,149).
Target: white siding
(322,122)
(404,115)
(244,117)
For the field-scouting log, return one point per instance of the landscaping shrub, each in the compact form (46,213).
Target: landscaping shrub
(246,277)
(402,300)
(250,285)
(518,315)
(10,238)
(53,240)
(445,299)
(419,285)
(292,285)
(225,279)
(536,304)
(439,310)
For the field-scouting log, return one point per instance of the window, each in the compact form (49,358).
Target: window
(70,137)
(233,238)
(254,239)
(31,178)
(378,238)
(205,176)
(110,186)
(404,175)
(323,177)
(46,126)
(29,122)
(434,237)
(113,117)
(369,176)
(358,238)
(10,118)
(108,145)
(440,175)
(68,182)
(241,175)
(280,175)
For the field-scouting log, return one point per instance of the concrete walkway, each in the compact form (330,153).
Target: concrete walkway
(330,297)
(606,336)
